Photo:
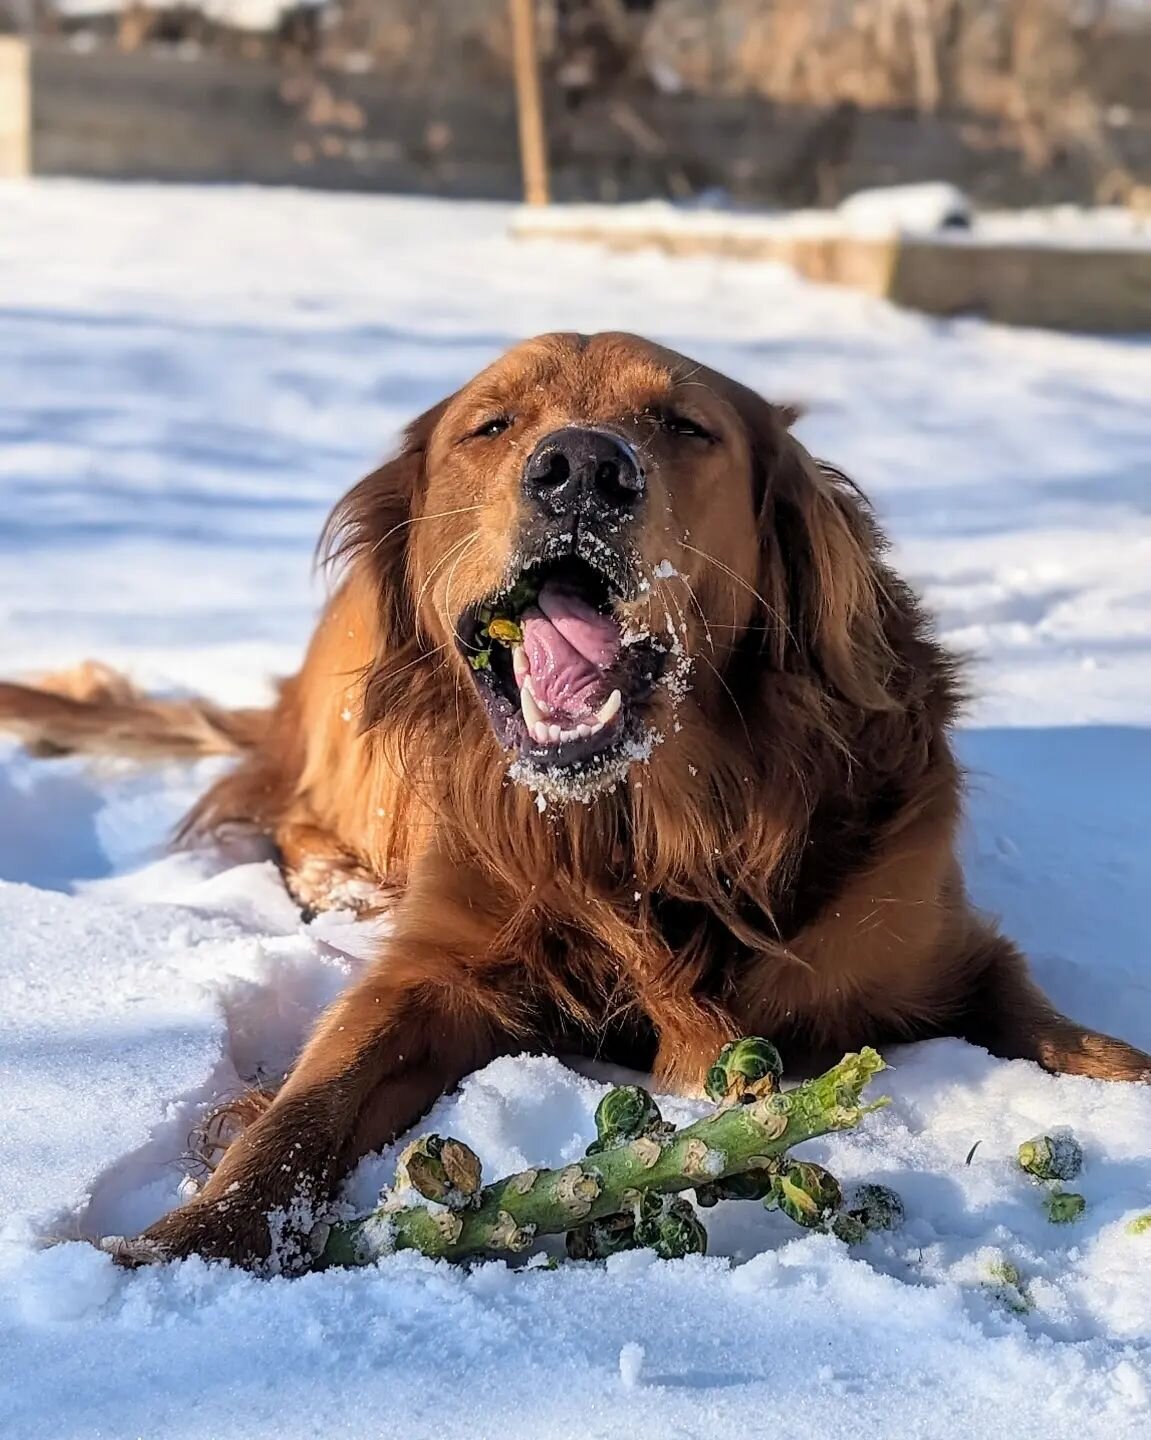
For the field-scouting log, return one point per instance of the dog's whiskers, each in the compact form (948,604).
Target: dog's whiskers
(422,656)
(739,580)
(731,696)
(415,519)
(448,597)
(458,548)
(668,593)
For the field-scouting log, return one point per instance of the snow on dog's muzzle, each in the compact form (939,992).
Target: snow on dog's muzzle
(561,681)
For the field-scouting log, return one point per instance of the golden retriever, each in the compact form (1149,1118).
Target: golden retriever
(620,704)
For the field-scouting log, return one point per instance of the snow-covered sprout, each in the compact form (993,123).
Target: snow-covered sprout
(867,1208)
(1051,1157)
(1063,1206)
(1009,1286)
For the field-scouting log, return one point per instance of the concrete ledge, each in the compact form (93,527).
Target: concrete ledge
(1101,287)
(1101,290)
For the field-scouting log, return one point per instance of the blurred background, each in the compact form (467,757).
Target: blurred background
(757,102)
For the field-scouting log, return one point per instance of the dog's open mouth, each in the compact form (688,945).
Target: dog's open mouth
(560,679)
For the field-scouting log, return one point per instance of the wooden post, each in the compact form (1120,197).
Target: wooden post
(529,102)
(15,107)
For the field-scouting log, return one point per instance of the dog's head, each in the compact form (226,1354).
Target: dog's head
(595,535)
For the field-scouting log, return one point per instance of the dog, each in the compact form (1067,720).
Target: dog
(620,706)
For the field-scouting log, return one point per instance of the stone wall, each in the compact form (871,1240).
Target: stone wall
(155,115)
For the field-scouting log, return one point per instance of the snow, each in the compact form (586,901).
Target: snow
(254,15)
(917,211)
(631,1358)
(930,206)
(190,378)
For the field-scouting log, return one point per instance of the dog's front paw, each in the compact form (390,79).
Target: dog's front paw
(131,1252)
(275,1242)
(211,1230)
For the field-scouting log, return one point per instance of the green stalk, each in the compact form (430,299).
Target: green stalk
(512,1212)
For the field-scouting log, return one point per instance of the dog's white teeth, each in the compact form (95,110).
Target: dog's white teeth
(610,708)
(546,732)
(533,715)
(520,667)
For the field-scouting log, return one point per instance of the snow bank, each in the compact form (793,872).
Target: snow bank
(936,211)
(257,15)
(922,208)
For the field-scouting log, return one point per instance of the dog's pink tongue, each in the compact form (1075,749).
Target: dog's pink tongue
(590,634)
(568,645)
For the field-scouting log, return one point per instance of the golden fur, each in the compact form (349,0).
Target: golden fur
(783,863)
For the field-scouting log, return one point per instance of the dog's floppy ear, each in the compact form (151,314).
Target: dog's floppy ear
(790,413)
(370,526)
(821,572)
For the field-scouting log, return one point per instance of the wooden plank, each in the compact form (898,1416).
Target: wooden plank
(529,102)
(15,108)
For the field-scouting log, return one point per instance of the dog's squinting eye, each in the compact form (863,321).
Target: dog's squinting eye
(682,425)
(490,428)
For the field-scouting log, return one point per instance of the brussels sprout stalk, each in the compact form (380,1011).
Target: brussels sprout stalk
(636,1156)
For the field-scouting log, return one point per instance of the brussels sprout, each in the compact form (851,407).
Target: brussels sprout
(1062,1206)
(1005,1273)
(876,1207)
(747,1185)
(663,1223)
(1009,1287)
(506,631)
(625,1113)
(806,1193)
(443,1170)
(850,1229)
(673,1233)
(523,593)
(600,1238)
(649,1206)
(745,1069)
(1051,1157)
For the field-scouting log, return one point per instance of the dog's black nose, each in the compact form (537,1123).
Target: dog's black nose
(578,465)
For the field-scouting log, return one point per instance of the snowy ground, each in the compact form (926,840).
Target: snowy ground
(190,377)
